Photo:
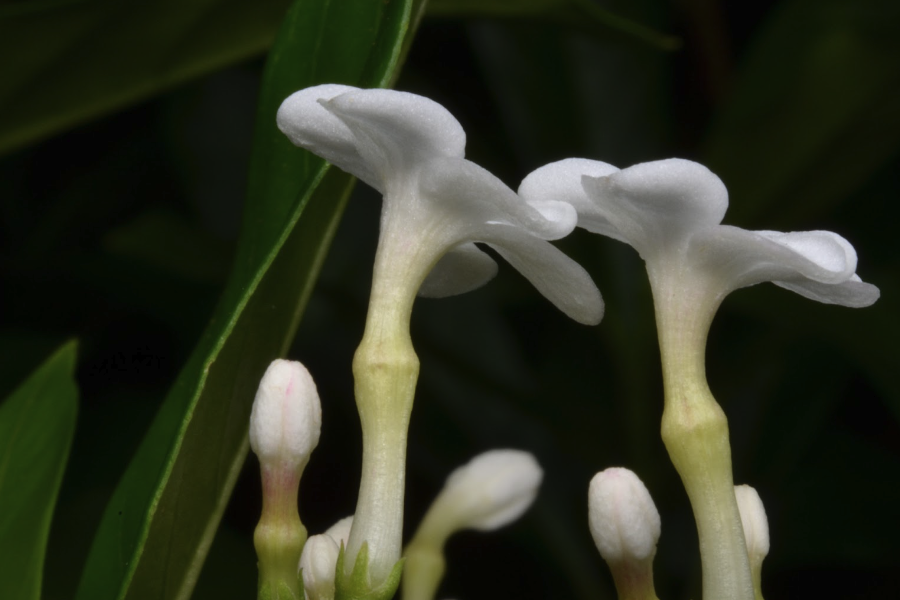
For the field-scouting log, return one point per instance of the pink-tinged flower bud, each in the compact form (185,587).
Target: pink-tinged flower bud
(286,416)
(284,430)
(625,526)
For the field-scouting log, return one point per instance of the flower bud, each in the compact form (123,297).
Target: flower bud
(340,531)
(756,531)
(490,491)
(625,526)
(284,429)
(286,416)
(317,564)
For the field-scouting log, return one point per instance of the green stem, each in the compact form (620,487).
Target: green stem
(695,430)
(385,371)
(279,537)
(423,571)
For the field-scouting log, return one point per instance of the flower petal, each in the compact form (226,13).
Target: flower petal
(559,278)
(395,132)
(303,119)
(853,293)
(655,206)
(462,269)
(477,197)
(741,258)
(561,181)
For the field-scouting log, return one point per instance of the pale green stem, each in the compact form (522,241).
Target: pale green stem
(695,430)
(279,537)
(425,564)
(385,370)
(422,572)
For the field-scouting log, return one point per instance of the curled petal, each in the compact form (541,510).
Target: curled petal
(477,197)
(559,278)
(462,269)
(815,261)
(853,293)
(654,206)
(303,119)
(832,254)
(561,181)
(395,132)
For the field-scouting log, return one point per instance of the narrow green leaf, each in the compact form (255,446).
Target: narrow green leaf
(75,60)
(813,113)
(37,422)
(162,518)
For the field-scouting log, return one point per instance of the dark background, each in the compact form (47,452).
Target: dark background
(120,232)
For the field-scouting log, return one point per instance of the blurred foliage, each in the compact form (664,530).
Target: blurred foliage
(37,423)
(121,231)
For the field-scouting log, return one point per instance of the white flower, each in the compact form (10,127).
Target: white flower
(623,519)
(286,417)
(436,203)
(671,211)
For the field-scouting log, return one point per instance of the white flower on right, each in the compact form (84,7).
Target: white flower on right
(671,211)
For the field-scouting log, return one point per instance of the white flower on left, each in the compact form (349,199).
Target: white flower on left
(436,203)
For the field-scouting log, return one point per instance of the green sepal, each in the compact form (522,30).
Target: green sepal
(278,590)
(356,585)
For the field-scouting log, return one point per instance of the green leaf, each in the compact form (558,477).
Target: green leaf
(79,59)
(161,520)
(37,423)
(813,113)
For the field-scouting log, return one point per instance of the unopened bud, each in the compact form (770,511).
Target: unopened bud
(284,429)
(625,526)
(286,416)
(340,531)
(317,564)
(492,490)
(756,531)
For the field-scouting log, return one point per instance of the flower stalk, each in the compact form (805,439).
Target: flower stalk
(695,430)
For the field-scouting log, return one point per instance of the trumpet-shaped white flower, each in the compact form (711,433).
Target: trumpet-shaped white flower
(671,211)
(436,206)
(436,203)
